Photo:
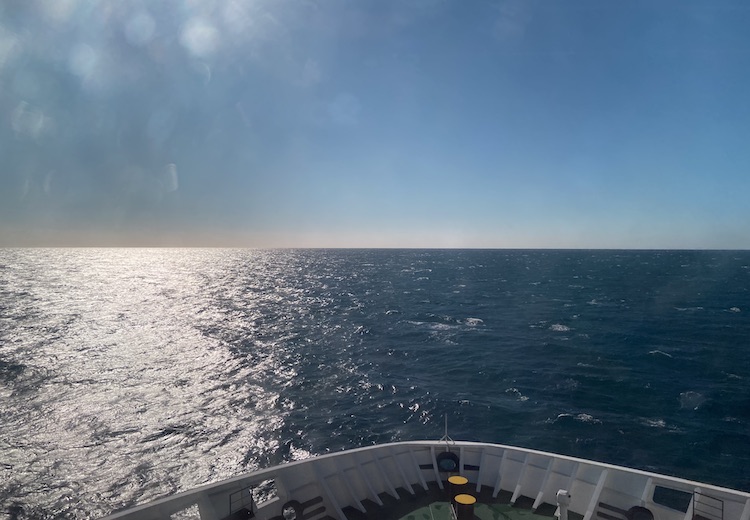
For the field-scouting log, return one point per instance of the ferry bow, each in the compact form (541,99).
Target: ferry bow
(410,480)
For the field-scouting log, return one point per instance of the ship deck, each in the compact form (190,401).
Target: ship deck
(440,511)
(434,505)
(405,481)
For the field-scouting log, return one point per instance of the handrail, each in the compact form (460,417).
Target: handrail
(209,495)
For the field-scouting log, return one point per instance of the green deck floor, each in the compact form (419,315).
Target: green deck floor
(441,511)
(432,504)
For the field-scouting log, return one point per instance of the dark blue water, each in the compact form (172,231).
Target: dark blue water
(128,374)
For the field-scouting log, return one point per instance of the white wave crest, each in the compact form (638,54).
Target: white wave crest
(473,322)
(557,327)
(568,384)
(517,393)
(660,353)
(440,326)
(581,417)
(691,400)
(586,418)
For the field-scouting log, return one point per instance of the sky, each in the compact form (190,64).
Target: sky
(375,123)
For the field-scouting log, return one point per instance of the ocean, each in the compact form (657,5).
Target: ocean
(129,374)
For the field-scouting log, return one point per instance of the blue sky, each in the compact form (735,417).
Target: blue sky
(518,123)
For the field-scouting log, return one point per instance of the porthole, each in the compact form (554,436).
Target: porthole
(447,462)
(639,513)
(292,510)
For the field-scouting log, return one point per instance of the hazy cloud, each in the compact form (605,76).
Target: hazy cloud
(169,179)
(10,46)
(82,60)
(344,109)
(28,120)
(311,74)
(513,18)
(139,29)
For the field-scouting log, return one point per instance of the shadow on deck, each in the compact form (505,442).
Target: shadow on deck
(433,504)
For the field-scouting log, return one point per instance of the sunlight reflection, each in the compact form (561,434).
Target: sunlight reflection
(82,60)
(200,37)
(134,377)
(28,120)
(10,46)
(59,11)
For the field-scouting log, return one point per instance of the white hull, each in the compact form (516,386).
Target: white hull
(328,484)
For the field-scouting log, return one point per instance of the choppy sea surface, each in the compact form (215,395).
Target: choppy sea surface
(128,374)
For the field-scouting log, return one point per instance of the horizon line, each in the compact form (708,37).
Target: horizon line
(374,248)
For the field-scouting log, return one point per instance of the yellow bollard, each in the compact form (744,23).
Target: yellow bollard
(465,506)
(456,486)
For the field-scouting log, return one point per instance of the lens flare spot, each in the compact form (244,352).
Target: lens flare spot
(199,37)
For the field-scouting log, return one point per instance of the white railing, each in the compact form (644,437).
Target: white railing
(348,478)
